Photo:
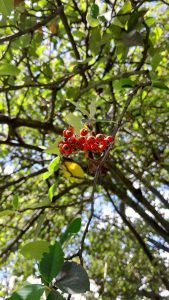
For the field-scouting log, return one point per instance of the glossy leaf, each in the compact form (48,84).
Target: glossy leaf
(52,190)
(51,262)
(15,201)
(8,69)
(127,7)
(92,21)
(54,165)
(6,6)
(35,249)
(71,230)
(28,292)
(72,279)
(94,11)
(54,295)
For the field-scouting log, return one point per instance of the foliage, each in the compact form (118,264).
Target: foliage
(103,65)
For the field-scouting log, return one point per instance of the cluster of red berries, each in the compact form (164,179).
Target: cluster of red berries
(84,142)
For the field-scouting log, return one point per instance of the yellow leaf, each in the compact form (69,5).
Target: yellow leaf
(72,171)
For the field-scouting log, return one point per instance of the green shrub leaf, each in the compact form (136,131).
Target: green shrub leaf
(71,230)
(72,279)
(35,250)
(8,69)
(54,295)
(51,262)
(28,292)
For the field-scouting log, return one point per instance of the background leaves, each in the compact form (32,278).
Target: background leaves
(81,64)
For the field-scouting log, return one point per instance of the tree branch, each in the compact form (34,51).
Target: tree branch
(33,28)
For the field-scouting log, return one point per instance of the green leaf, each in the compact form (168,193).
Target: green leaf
(92,108)
(15,201)
(95,41)
(92,22)
(71,230)
(5,213)
(156,60)
(40,221)
(35,250)
(127,7)
(159,85)
(41,204)
(28,292)
(55,295)
(46,175)
(53,147)
(157,32)
(6,6)
(52,190)
(79,34)
(132,38)
(94,11)
(150,21)
(123,83)
(8,69)
(136,125)
(54,165)
(121,52)
(75,121)
(136,19)
(118,22)
(82,110)
(51,262)
(72,279)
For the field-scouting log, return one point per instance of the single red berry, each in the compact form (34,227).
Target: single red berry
(69,133)
(95,147)
(85,147)
(91,139)
(82,140)
(101,147)
(99,137)
(106,142)
(76,145)
(65,149)
(71,129)
(83,132)
(72,139)
(109,138)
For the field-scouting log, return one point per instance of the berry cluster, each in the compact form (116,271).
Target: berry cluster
(84,142)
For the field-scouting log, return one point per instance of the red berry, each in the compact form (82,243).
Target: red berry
(85,147)
(95,147)
(91,139)
(99,137)
(68,133)
(71,140)
(101,148)
(82,140)
(83,132)
(71,129)
(109,138)
(65,149)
